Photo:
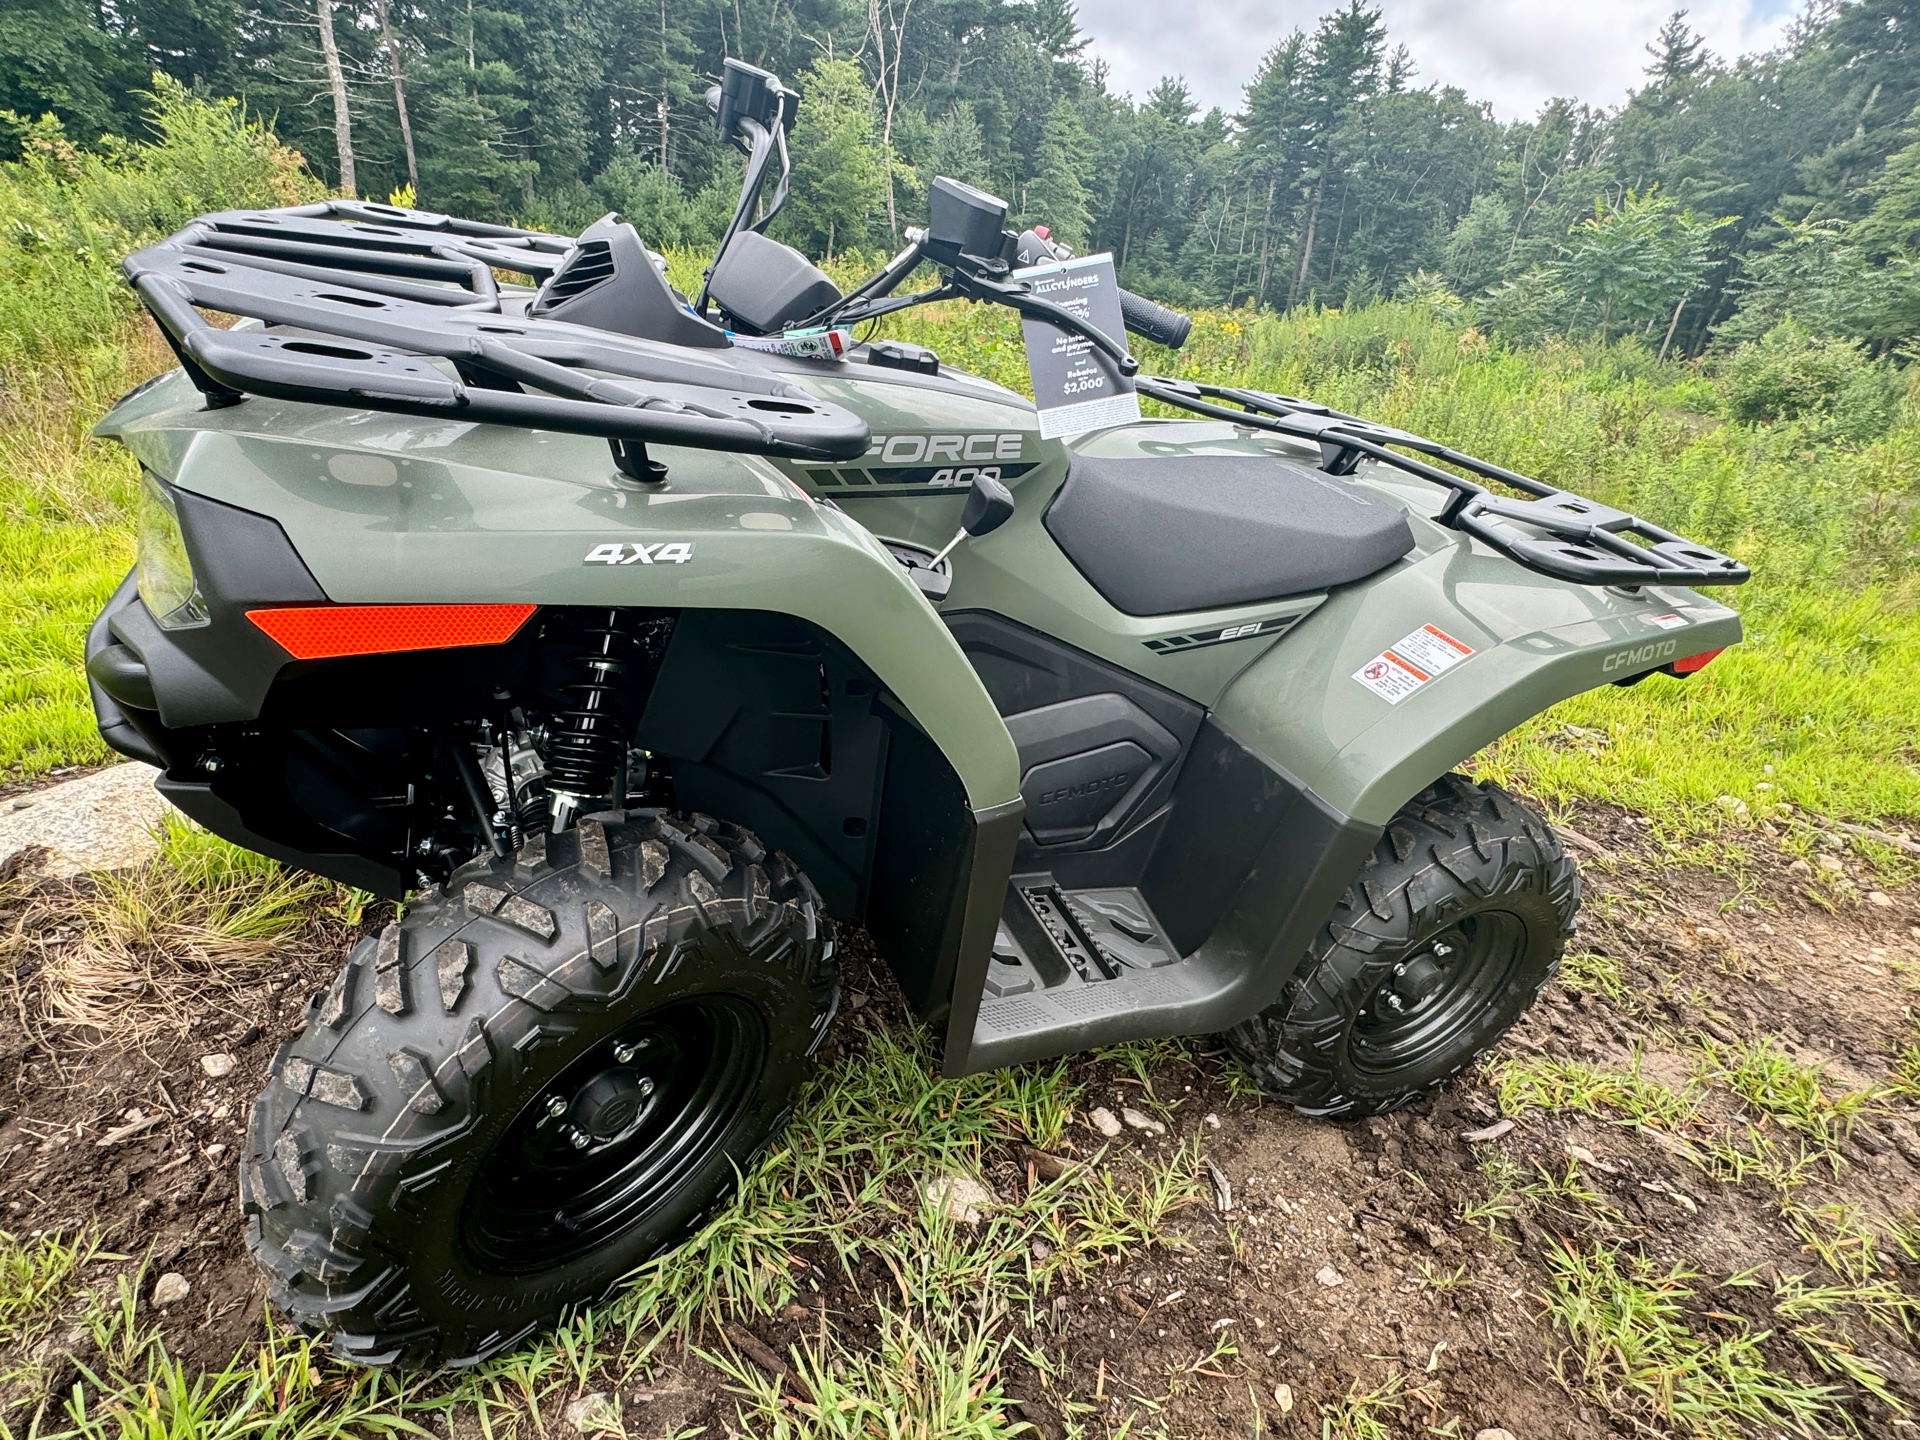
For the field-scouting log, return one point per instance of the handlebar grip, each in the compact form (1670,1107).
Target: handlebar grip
(1154,322)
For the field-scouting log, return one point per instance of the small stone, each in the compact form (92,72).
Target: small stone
(1831,864)
(1283,1399)
(170,1289)
(1490,1132)
(1495,1433)
(214,1151)
(218,1066)
(1800,867)
(1041,1249)
(961,1198)
(1329,1277)
(594,1414)
(857,1000)
(1213,1122)
(1139,1120)
(1880,898)
(1587,1157)
(221,1112)
(1735,807)
(1104,1120)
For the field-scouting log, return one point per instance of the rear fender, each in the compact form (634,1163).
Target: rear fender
(1533,642)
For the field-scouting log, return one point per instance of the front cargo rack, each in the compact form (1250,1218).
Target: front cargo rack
(1583,541)
(362,299)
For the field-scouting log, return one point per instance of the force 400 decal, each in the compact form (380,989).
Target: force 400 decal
(665,552)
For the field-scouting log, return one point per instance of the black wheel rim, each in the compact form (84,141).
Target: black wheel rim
(1437,995)
(612,1136)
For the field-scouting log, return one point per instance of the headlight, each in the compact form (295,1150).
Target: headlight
(166,574)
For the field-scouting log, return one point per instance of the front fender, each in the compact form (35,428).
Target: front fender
(388,510)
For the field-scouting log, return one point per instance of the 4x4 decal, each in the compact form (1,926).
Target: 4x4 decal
(665,552)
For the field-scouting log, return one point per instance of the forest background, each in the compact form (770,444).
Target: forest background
(1722,197)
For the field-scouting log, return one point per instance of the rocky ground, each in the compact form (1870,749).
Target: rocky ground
(1433,1271)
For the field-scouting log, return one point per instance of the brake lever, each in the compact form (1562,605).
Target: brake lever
(1018,295)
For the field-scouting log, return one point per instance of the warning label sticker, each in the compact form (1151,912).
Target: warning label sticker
(1411,662)
(1667,622)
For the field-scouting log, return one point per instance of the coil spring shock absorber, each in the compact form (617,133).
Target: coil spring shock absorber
(586,745)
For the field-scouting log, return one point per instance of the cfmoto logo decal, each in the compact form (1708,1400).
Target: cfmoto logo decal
(1639,656)
(665,552)
(1090,787)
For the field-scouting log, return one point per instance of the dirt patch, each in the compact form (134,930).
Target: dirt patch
(141,1136)
(1327,1262)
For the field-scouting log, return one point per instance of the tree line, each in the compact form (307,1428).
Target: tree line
(1725,198)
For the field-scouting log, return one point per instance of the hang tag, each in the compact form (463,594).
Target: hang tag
(1075,386)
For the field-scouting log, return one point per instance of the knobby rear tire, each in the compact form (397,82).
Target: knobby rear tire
(437,1052)
(1461,860)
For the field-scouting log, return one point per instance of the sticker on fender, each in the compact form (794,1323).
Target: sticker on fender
(1410,662)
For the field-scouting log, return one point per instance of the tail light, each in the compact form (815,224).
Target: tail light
(1687,664)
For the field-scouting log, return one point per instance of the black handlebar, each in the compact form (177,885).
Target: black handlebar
(1154,322)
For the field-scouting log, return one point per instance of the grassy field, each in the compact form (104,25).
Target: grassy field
(1811,721)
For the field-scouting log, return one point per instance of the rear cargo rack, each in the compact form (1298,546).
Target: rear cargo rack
(363,299)
(1582,540)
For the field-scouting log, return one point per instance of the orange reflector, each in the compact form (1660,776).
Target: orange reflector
(325,632)
(1691,663)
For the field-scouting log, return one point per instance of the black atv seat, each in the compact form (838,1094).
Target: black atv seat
(1196,532)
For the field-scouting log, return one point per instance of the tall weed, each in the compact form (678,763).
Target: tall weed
(71,339)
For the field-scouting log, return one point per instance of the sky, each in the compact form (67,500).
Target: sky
(1516,53)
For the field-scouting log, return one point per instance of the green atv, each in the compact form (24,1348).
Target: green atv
(629,639)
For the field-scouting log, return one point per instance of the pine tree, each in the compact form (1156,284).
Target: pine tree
(55,60)
(1058,197)
(1678,54)
(839,175)
(957,150)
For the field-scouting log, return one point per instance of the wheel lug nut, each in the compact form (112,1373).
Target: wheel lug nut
(579,1139)
(646,1085)
(556,1107)
(627,1049)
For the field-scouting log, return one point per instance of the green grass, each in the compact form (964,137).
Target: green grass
(1798,1095)
(1626,1095)
(925,1375)
(1632,1326)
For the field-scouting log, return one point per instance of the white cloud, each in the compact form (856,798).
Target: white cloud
(1516,53)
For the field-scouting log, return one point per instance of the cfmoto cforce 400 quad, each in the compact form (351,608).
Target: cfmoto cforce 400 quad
(628,638)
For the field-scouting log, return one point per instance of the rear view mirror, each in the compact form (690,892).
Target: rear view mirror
(988,507)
